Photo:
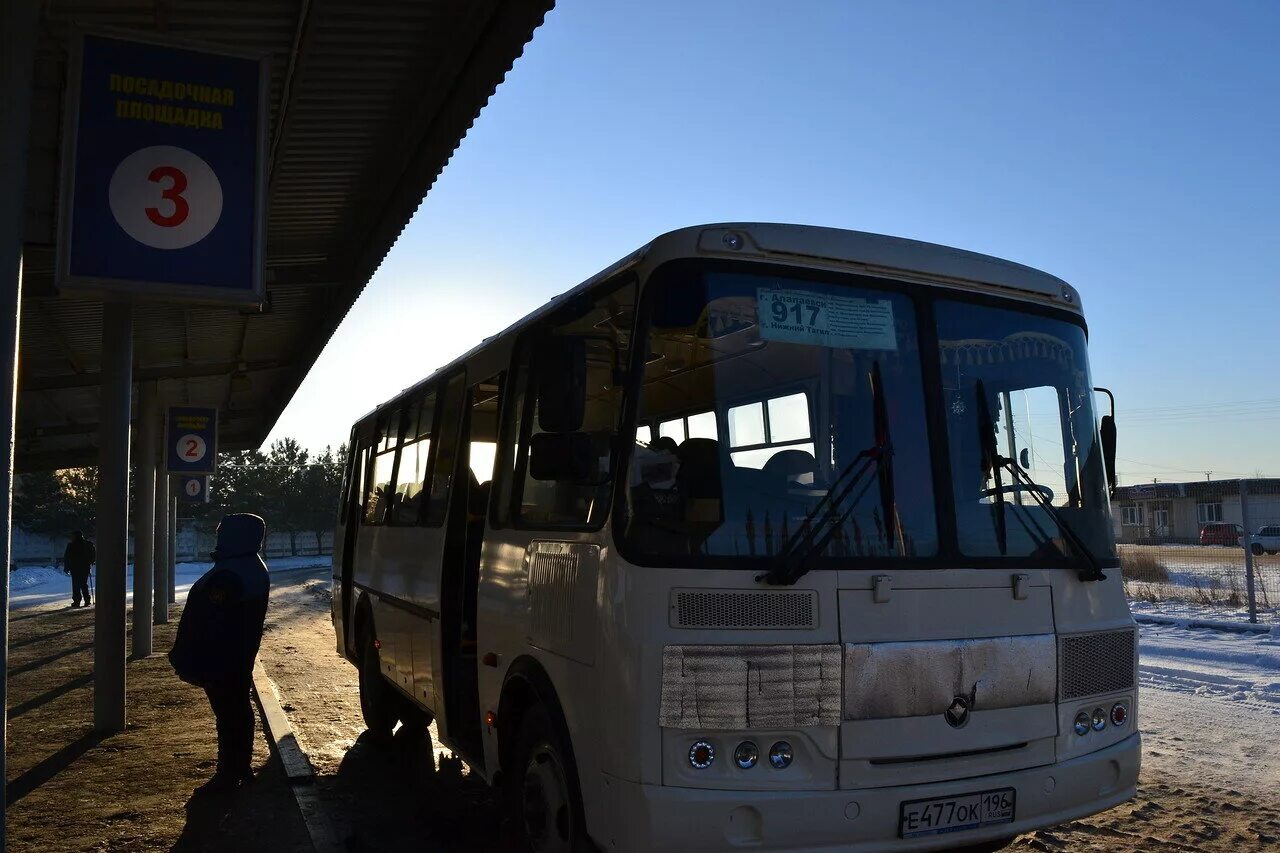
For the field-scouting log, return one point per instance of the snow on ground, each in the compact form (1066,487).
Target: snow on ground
(1237,667)
(38,586)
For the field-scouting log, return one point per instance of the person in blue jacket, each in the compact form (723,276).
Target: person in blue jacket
(218,639)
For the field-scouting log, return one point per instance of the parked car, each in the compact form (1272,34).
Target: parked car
(1221,533)
(1266,540)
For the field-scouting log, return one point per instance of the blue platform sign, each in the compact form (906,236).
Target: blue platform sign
(191,435)
(194,488)
(163,165)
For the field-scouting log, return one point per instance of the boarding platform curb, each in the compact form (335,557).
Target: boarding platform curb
(297,767)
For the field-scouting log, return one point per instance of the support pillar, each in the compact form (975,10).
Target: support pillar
(18,37)
(160,587)
(113,518)
(173,541)
(144,523)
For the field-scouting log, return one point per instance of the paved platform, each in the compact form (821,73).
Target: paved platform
(70,789)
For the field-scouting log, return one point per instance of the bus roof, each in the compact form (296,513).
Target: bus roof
(857,251)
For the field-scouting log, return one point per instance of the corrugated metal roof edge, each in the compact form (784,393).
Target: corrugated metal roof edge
(378,256)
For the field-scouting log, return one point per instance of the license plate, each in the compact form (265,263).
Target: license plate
(955,814)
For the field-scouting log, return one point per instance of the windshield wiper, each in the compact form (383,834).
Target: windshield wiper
(992,461)
(809,540)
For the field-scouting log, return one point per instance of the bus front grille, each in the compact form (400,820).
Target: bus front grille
(1090,664)
(744,609)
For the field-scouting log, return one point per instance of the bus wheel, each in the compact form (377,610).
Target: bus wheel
(377,704)
(545,795)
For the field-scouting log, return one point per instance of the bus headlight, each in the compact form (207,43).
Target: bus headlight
(1083,723)
(1119,714)
(746,755)
(701,755)
(780,755)
(1099,720)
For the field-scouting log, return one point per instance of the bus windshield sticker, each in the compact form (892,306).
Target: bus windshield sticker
(825,319)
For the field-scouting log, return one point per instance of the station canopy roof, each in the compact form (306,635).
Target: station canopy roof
(368,101)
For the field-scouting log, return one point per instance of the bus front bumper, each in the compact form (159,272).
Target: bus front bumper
(656,817)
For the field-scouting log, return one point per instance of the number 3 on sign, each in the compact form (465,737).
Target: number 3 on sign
(172,193)
(191,448)
(165,197)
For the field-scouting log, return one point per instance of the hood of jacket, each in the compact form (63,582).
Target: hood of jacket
(239,535)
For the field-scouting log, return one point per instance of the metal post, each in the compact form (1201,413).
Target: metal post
(1247,538)
(18,36)
(113,517)
(160,587)
(173,541)
(144,523)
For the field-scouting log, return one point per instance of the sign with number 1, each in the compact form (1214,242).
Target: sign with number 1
(191,436)
(162,184)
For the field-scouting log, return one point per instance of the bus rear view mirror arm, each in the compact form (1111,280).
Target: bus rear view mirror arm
(561,368)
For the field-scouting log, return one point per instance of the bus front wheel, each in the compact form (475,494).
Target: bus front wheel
(544,795)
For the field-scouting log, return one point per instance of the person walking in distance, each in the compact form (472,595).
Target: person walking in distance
(218,638)
(77,560)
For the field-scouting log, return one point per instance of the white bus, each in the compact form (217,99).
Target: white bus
(767,536)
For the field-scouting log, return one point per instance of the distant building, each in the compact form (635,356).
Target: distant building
(1176,512)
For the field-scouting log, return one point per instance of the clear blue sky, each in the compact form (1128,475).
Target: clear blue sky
(1131,148)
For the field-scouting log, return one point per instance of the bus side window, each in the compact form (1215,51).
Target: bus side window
(380,495)
(446,450)
(415,454)
(359,471)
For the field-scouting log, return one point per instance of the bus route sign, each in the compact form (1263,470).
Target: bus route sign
(191,436)
(163,165)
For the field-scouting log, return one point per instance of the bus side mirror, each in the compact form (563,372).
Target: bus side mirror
(566,457)
(561,371)
(1107,434)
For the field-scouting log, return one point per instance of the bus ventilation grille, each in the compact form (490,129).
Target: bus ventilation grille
(1089,664)
(744,609)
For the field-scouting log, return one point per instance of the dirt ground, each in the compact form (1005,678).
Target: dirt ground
(71,790)
(1209,780)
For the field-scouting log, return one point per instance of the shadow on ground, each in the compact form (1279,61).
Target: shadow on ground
(393,797)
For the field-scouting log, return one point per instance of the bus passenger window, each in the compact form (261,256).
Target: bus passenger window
(379,495)
(446,450)
(414,457)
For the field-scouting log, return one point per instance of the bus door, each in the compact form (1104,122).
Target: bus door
(464,540)
(351,507)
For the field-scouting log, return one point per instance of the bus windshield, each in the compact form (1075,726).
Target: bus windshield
(757,432)
(1019,384)
(785,416)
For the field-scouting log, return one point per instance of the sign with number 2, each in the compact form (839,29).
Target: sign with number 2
(192,440)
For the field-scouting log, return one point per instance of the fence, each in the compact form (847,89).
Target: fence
(1208,550)
(193,545)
